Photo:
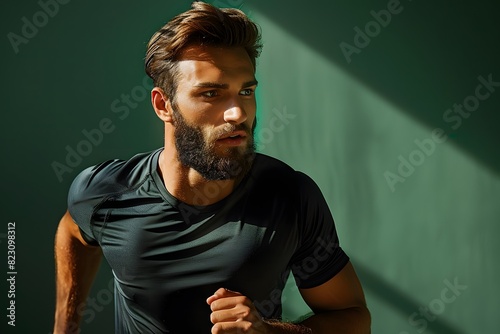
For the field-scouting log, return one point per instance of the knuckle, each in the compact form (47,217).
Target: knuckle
(244,300)
(213,319)
(245,313)
(214,305)
(247,327)
(216,329)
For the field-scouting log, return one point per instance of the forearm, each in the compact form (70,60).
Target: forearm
(76,266)
(349,321)
(278,327)
(353,320)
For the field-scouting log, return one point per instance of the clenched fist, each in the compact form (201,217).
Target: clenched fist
(234,313)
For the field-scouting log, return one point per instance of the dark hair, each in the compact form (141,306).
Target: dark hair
(204,24)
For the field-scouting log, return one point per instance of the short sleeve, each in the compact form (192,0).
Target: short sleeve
(319,256)
(86,192)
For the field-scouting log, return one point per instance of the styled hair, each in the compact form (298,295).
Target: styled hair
(203,24)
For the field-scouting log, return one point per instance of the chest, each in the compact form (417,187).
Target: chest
(161,249)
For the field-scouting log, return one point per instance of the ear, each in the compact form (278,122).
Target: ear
(161,104)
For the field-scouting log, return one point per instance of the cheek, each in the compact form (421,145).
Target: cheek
(251,108)
(251,116)
(209,133)
(199,115)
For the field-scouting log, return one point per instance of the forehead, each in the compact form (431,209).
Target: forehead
(214,64)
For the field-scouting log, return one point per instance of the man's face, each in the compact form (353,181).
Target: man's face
(214,111)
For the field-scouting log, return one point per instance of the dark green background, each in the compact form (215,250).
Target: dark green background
(351,123)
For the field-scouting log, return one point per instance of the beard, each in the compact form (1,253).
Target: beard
(199,153)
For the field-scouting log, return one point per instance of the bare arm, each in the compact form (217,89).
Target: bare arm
(76,265)
(339,305)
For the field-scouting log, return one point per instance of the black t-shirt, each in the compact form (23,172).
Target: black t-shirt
(168,257)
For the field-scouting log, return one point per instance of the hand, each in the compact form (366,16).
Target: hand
(234,313)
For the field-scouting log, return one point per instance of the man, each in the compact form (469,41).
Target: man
(202,234)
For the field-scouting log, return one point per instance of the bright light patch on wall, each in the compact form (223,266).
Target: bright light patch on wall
(392,183)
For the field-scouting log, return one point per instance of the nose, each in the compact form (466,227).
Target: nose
(235,114)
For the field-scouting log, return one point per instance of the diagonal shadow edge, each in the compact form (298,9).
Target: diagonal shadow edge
(399,299)
(477,144)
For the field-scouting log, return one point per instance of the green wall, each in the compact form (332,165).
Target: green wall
(349,122)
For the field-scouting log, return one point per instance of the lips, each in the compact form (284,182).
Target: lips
(234,134)
(234,138)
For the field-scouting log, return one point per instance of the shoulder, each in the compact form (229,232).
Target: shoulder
(267,166)
(98,182)
(271,171)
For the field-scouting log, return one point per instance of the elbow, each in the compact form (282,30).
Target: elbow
(364,319)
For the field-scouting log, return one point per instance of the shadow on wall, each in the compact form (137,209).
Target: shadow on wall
(420,317)
(428,63)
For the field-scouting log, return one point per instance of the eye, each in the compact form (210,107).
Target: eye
(247,92)
(210,93)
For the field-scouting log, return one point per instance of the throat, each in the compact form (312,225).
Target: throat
(189,186)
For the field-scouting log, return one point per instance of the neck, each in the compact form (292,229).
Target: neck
(187,185)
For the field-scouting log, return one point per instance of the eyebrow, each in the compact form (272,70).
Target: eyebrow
(224,85)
